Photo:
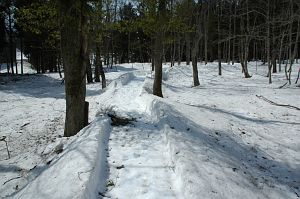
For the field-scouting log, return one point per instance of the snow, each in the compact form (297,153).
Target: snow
(217,140)
(77,172)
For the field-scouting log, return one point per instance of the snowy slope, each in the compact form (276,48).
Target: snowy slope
(214,141)
(217,140)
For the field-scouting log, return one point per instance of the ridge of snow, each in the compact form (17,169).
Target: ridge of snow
(80,170)
(170,146)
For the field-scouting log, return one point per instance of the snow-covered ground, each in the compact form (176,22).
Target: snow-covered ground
(217,140)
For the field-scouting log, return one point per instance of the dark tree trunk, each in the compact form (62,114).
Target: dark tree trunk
(42,62)
(15,58)
(11,54)
(59,65)
(219,48)
(188,49)
(99,67)
(195,71)
(158,65)
(96,74)
(195,49)
(89,73)
(179,51)
(280,51)
(97,61)
(74,49)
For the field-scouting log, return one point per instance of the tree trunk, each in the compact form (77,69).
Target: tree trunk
(234,33)
(21,48)
(158,65)
(290,40)
(102,74)
(280,51)
(179,51)
(42,62)
(206,36)
(188,49)
(298,76)
(158,50)
(11,54)
(15,57)
(219,42)
(229,40)
(195,68)
(268,44)
(74,49)
(97,61)
(59,65)
(99,67)
(173,51)
(89,73)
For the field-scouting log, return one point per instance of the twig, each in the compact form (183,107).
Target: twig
(81,172)
(298,76)
(283,85)
(12,179)
(276,104)
(3,139)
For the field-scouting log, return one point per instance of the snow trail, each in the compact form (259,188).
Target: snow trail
(140,165)
(212,141)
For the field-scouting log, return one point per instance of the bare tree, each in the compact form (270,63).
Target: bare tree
(74,48)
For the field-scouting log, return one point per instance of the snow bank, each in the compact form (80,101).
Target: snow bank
(79,172)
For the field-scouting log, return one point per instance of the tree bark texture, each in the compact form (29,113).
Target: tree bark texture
(74,49)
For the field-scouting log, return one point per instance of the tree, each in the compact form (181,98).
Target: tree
(158,48)
(37,25)
(74,43)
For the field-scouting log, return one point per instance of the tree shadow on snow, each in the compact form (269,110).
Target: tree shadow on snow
(262,167)
(118,68)
(38,86)
(37,182)
(248,161)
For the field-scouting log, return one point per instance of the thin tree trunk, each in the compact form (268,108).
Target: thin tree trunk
(234,33)
(194,61)
(219,42)
(179,51)
(59,65)
(97,61)
(158,53)
(15,57)
(102,74)
(188,49)
(290,40)
(268,44)
(280,51)
(229,40)
(11,42)
(298,76)
(274,64)
(89,73)
(42,62)
(128,49)
(206,36)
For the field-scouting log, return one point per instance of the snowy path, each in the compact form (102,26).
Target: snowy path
(140,166)
(215,141)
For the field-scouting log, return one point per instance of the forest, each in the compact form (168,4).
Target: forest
(183,30)
(191,77)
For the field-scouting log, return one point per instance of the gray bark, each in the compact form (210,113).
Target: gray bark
(74,49)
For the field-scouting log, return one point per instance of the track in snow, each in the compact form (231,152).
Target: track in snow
(139,162)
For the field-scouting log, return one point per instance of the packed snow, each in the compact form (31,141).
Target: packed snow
(217,140)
